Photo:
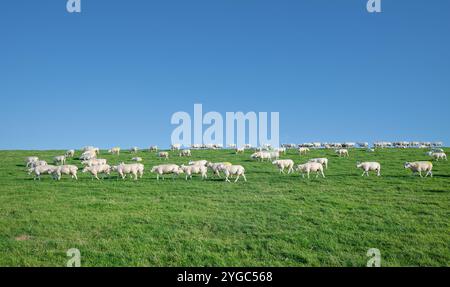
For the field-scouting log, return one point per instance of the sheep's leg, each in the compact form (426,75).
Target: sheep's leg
(323,175)
(307,173)
(420,173)
(226,179)
(364,172)
(245,178)
(237,178)
(97,177)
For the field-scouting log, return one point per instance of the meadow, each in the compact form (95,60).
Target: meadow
(271,220)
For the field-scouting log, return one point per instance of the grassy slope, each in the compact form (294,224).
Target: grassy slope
(271,220)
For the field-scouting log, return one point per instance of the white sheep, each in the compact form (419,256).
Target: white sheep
(437,155)
(369,166)
(69,153)
(311,167)
(283,164)
(38,163)
(261,155)
(153,148)
(87,155)
(230,170)
(216,167)
(41,169)
(240,150)
(133,169)
(342,152)
(96,169)
(94,161)
(163,169)
(163,154)
(419,167)
(303,150)
(323,161)
(186,152)
(65,169)
(175,147)
(137,159)
(189,170)
(114,150)
(134,149)
(29,160)
(61,159)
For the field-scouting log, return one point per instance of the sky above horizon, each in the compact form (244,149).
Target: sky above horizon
(114,74)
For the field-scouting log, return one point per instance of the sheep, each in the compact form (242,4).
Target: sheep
(369,166)
(230,170)
(134,169)
(323,161)
(240,150)
(163,154)
(262,155)
(95,150)
(175,147)
(310,167)
(114,150)
(65,169)
(41,169)
(303,150)
(419,166)
(163,169)
(281,150)
(69,153)
(59,159)
(284,163)
(87,155)
(216,167)
(38,163)
(137,159)
(437,155)
(96,169)
(342,152)
(186,152)
(199,162)
(94,161)
(153,148)
(29,160)
(134,149)
(195,169)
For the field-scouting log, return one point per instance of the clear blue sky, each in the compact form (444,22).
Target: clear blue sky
(114,74)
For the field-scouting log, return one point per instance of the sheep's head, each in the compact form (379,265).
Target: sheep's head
(407,165)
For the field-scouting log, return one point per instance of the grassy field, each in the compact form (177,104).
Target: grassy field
(271,220)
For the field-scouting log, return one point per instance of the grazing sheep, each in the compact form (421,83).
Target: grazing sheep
(303,150)
(199,162)
(163,154)
(94,161)
(96,169)
(262,155)
(65,169)
(133,169)
(134,149)
(69,153)
(175,147)
(41,169)
(138,159)
(311,167)
(369,166)
(230,170)
(323,161)
(419,166)
(186,152)
(114,150)
(216,167)
(38,163)
(87,155)
(29,160)
(60,159)
(281,150)
(342,152)
(284,163)
(437,155)
(163,169)
(240,150)
(153,148)
(195,169)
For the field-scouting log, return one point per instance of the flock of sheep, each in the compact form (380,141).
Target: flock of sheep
(97,166)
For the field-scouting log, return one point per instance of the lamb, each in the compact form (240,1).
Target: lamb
(322,161)
(311,167)
(29,160)
(96,169)
(437,155)
(163,169)
(199,162)
(41,169)
(134,169)
(419,166)
(137,159)
(114,150)
(369,166)
(65,169)
(195,169)
(186,152)
(59,159)
(69,153)
(303,150)
(284,163)
(230,170)
(342,152)
(216,167)
(163,154)
(94,161)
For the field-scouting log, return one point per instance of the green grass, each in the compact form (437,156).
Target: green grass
(271,220)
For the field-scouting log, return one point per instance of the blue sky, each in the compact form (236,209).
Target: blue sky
(114,74)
